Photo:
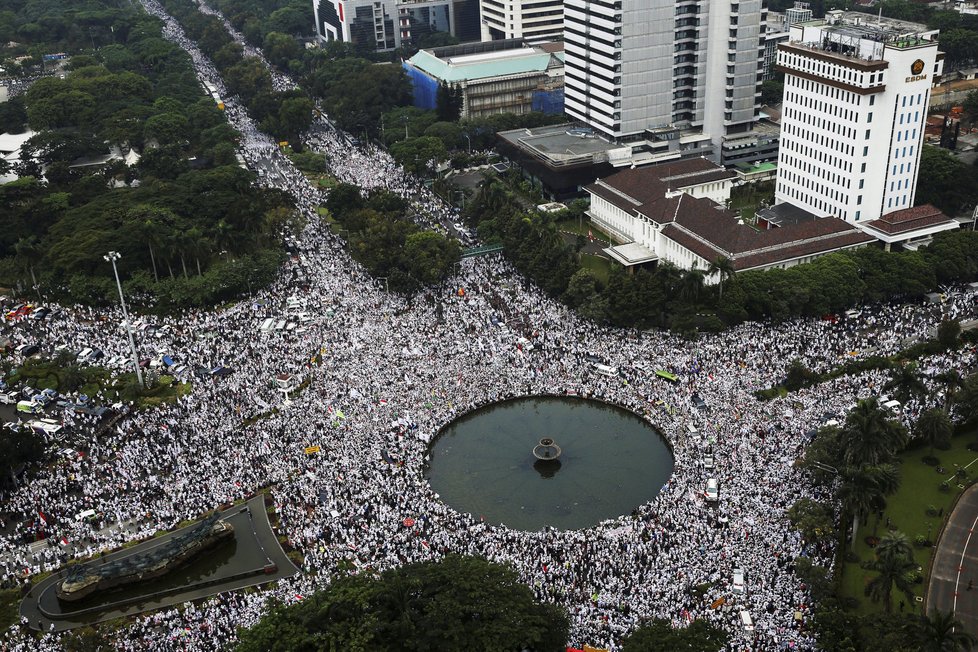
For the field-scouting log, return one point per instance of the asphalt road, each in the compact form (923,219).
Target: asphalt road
(956,564)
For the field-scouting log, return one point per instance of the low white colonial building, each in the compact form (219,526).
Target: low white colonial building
(672,212)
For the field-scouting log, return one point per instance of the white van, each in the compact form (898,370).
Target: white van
(746,621)
(738,580)
(712,493)
(893,406)
(267,325)
(605,370)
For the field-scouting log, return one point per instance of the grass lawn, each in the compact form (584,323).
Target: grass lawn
(599,265)
(907,511)
(746,199)
(572,226)
(9,607)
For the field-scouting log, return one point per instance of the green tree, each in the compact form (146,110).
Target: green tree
(941,632)
(167,128)
(772,91)
(934,427)
(892,572)
(659,635)
(814,520)
(860,495)
(970,105)
(295,116)
(453,604)
(724,269)
(417,155)
(692,285)
(19,447)
(948,332)
(870,436)
(905,382)
(951,380)
(281,48)
(946,182)
(966,400)
(429,256)
(894,544)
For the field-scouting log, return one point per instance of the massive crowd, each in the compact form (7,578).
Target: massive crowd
(385,374)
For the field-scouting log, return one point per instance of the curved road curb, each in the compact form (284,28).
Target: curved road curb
(955,563)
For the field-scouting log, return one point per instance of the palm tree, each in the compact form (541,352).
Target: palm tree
(492,195)
(896,571)
(951,379)
(725,268)
(934,427)
(223,235)
(966,399)
(940,632)
(904,382)
(196,244)
(869,436)
(886,477)
(860,494)
(692,284)
(28,250)
(894,544)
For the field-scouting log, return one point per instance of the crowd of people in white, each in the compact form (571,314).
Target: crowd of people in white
(385,373)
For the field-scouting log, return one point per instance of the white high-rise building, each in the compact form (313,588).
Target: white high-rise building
(856,93)
(635,67)
(534,21)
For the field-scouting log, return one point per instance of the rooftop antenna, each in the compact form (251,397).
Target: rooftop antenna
(879,19)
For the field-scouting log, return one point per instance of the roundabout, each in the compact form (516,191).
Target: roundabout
(494,464)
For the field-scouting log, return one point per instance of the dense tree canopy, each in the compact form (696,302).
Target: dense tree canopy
(457,603)
(387,243)
(194,231)
(660,636)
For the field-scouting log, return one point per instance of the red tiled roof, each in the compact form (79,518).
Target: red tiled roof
(909,219)
(710,232)
(649,184)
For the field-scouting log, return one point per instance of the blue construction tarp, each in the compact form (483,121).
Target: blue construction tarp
(550,102)
(425,88)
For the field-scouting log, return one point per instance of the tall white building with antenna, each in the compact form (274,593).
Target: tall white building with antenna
(856,93)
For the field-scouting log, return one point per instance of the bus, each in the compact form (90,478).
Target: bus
(212,91)
(668,375)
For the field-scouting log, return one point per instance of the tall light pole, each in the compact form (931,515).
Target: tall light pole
(113,256)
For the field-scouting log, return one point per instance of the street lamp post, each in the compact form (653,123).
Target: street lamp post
(113,256)
(470,141)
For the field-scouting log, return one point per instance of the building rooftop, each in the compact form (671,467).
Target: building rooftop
(645,189)
(785,214)
(565,144)
(458,63)
(13,142)
(710,232)
(857,25)
(917,221)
